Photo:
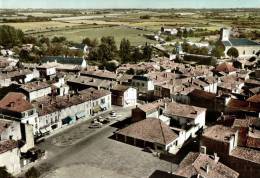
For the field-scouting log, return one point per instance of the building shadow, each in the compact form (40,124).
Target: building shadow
(122,124)
(163,174)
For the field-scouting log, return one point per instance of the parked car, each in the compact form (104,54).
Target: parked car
(105,121)
(95,125)
(113,114)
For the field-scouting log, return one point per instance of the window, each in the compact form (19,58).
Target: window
(31,112)
(103,101)
(142,84)
(244,52)
(253,51)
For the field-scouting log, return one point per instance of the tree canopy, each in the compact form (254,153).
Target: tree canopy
(9,36)
(125,50)
(4,173)
(233,52)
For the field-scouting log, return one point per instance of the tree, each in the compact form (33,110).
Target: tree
(58,39)
(179,33)
(24,55)
(145,17)
(218,50)
(147,52)
(9,36)
(233,52)
(186,47)
(125,50)
(111,66)
(4,173)
(107,50)
(91,43)
(32,173)
(136,55)
(30,40)
(185,33)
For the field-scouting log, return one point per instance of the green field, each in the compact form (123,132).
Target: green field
(76,25)
(34,27)
(119,32)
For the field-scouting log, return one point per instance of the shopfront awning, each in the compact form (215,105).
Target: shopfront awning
(80,115)
(45,130)
(67,120)
(97,109)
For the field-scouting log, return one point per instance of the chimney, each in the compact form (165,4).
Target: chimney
(165,105)
(203,149)
(41,106)
(12,104)
(207,168)
(215,157)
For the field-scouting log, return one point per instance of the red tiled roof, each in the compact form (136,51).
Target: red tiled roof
(219,133)
(152,130)
(225,67)
(182,110)
(246,154)
(239,105)
(202,94)
(254,99)
(7,145)
(15,102)
(194,164)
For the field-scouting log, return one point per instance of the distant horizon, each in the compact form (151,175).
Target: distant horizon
(129,4)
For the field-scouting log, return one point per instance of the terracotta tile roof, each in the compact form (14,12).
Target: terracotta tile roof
(219,133)
(239,105)
(33,86)
(195,164)
(182,110)
(247,154)
(150,106)
(100,74)
(7,145)
(254,99)
(47,105)
(244,122)
(225,67)
(15,102)
(121,88)
(253,142)
(152,130)
(202,94)
(90,81)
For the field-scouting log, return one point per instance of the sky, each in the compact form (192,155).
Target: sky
(129,4)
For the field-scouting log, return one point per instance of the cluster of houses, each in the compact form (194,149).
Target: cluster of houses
(220,105)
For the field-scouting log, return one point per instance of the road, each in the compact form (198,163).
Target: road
(82,152)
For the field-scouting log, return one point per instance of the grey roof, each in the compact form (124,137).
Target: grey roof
(63,60)
(240,42)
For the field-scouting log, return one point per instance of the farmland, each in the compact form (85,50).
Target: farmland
(78,24)
(119,32)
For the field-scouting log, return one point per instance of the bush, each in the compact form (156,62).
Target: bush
(32,173)
(145,17)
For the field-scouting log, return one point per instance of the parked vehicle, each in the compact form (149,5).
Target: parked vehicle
(113,114)
(95,125)
(105,121)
